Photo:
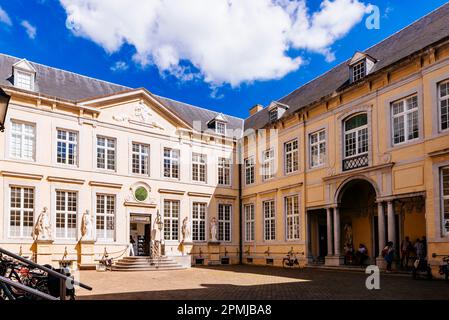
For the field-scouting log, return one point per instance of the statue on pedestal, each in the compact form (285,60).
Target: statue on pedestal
(42,228)
(186,237)
(86,226)
(213,229)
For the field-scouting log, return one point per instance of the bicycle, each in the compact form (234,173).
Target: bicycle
(291,261)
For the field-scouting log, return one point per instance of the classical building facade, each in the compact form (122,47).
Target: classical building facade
(359,155)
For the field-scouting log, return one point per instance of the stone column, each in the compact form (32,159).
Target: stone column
(336,231)
(330,250)
(391,223)
(381,226)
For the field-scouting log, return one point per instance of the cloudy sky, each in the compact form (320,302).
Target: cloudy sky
(225,55)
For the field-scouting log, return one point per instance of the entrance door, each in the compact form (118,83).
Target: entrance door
(140,231)
(322,238)
(147,245)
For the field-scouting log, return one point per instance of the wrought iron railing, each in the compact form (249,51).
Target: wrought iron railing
(355,162)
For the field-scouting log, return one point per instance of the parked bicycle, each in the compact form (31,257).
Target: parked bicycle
(421,269)
(291,261)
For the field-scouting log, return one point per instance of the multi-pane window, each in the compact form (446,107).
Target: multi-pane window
(273,115)
(105,216)
(269,220)
(105,153)
(220,128)
(358,71)
(250,166)
(141,158)
(67,147)
(224,171)
(199,221)
(405,120)
(443,98)
(23,143)
(356,142)
(66,211)
(291,156)
(171,219)
(23,80)
(268,164)
(317,142)
(198,167)
(249,222)
(445,199)
(292,217)
(21,219)
(171,163)
(224,222)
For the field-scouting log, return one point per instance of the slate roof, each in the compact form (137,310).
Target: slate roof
(426,31)
(73,87)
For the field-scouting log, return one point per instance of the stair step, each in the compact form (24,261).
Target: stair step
(147,269)
(121,263)
(135,263)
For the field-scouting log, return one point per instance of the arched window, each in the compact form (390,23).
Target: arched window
(355,142)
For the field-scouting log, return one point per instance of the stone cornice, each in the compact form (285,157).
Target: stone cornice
(198,194)
(171,191)
(105,184)
(65,180)
(22,175)
(359,171)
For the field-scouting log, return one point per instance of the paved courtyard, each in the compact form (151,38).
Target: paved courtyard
(252,282)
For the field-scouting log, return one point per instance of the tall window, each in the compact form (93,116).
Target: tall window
(224,171)
(273,115)
(444,105)
(356,142)
(358,71)
(141,158)
(199,167)
(291,156)
(66,211)
(249,222)
(24,80)
(250,165)
(21,217)
(199,221)
(317,142)
(292,217)
(171,219)
(67,149)
(105,216)
(268,164)
(220,128)
(269,220)
(224,222)
(445,199)
(171,163)
(23,143)
(105,153)
(405,120)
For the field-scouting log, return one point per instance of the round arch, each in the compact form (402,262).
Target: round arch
(344,184)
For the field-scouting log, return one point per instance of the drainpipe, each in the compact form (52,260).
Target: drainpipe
(240,215)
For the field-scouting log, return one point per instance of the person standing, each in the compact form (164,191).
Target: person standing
(388,254)
(131,246)
(419,249)
(405,251)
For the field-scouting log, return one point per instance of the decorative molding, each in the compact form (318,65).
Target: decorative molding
(438,153)
(358,171)
(291,186)
(170,191)
(225,196)
(140,205)
(401,196)
(22,175)
(199,194)
(65,180)
(105,184)
(269,191)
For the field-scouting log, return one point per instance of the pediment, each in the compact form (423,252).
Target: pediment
(359,56)
(24,65)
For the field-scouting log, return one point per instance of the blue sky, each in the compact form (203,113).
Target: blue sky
(38,30)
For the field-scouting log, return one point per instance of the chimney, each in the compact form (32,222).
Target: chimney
(255,109)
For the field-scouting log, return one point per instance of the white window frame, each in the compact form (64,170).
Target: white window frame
(19,82)
(292,218)
(405,116)
(220,128)
(291,156)
(273,114)
(269,220)
(442,99)
(359,70)
(250,170)
(171,219)
(171,162)
(199,214)
(321,155)
(199,167)
(66,213)
(444,197)
(224,224)
(142,157)
(22,212)
(67,143)
(107,151)
(224,171)
(358,132)
(24,137)
(102,233)
(249,210)
(268,164)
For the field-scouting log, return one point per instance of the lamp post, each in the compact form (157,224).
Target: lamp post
(4,102)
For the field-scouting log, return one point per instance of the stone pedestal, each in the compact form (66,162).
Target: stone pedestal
(86,254)
(334,261)
(187,248)
(44,251)
(214,253)
(381,263)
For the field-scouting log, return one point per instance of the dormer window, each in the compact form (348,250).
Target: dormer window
(274,114)
(24,75)
(218,124)
(276,110)
(358,71)
(23,80)
(220,128)
(360,66)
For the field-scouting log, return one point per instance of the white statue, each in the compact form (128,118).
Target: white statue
(348,234)
(185,230)
(156,236)
(86,226)
(42,228)
(213,229)
(142,112)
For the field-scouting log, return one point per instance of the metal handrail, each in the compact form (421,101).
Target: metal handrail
(63,278)
(27,289)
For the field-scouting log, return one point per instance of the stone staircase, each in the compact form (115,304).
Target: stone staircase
(146,264)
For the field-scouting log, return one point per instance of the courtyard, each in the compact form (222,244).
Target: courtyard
(253,282)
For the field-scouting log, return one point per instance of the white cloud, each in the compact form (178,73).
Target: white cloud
(4,17)
(120,66)
(30,29)
(225,41)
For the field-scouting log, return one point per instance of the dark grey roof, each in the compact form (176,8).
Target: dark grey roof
(426,31)
(74,87)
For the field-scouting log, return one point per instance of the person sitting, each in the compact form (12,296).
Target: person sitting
(362,254)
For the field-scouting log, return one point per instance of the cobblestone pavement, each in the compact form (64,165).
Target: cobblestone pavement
(253,282)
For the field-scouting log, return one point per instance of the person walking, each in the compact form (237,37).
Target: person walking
(406,247)
(388,254)
(420,250)
(131,246)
